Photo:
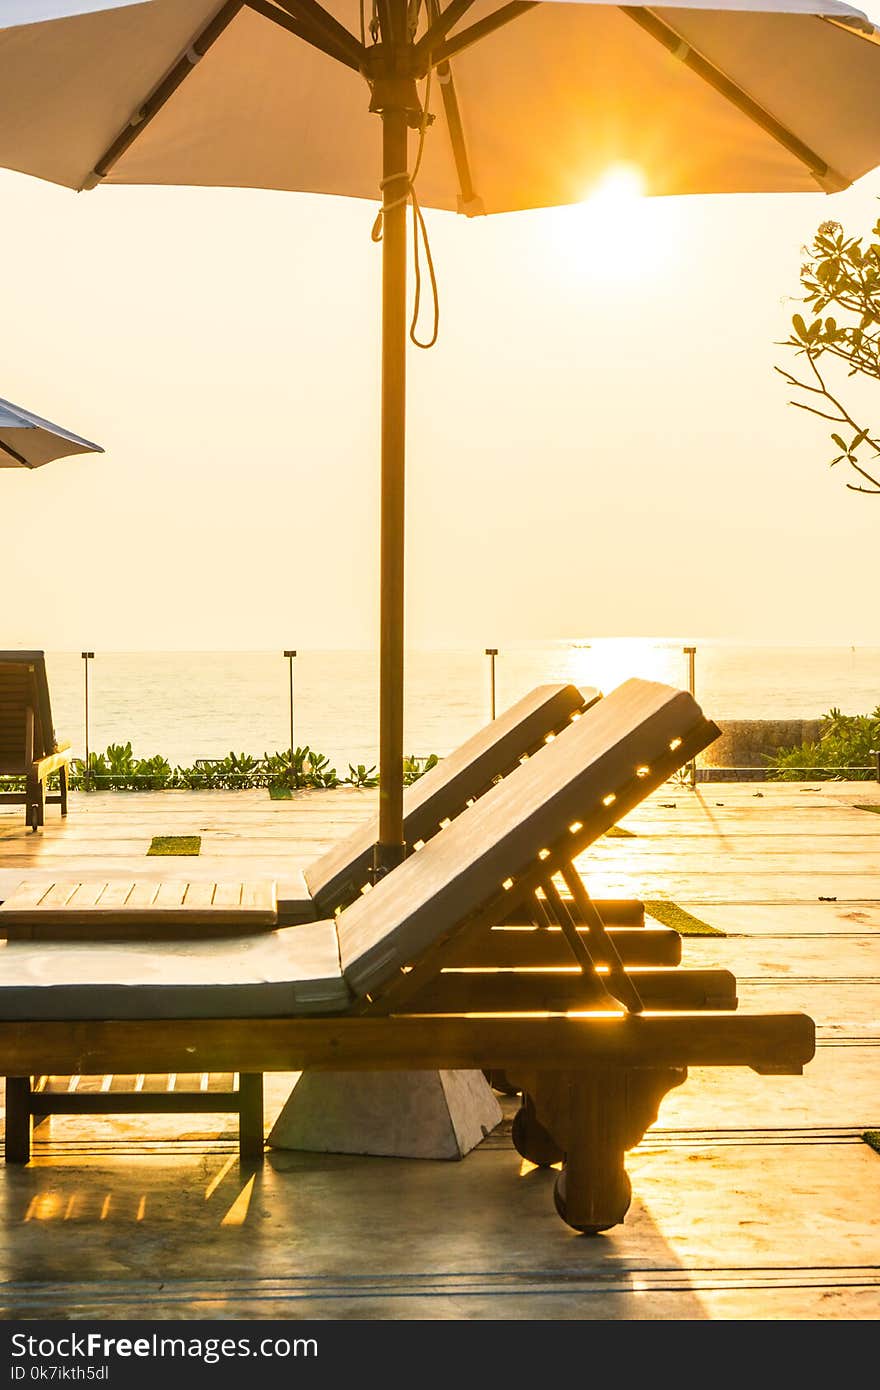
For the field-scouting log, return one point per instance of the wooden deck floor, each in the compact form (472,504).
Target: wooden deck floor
(730,843)
(755,1196)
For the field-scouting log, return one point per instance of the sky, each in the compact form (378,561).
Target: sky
(598,444)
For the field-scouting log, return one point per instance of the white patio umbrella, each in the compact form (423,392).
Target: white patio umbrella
(35,11)
(534,101)
(28,441)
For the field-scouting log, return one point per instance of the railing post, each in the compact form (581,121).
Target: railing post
(491,653)
(87,657)
(290,656)
(690,653)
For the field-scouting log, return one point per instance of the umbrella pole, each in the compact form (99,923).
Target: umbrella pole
(390,849)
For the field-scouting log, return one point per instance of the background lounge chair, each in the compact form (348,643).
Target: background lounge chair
(28,747)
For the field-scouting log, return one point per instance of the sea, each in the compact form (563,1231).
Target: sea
(189,705)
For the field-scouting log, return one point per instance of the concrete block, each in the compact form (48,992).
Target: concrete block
(407,1114)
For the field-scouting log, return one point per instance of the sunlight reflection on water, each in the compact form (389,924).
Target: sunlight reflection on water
(202,704)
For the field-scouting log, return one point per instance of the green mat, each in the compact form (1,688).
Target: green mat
(175,844)
(872,1138)
(671,915)
(280,794)
(875,808)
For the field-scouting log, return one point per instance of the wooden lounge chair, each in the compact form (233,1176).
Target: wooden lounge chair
(337,877)
(381,986)
(67,910)
(120,910)
(28,747)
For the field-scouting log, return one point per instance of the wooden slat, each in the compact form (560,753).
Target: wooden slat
(337,876)
(616,912)
(29,895)
(51,763)
(137,910)
(142,895)
(199,896)
(778,1043)
(171,893)
(99,1102)
(228,895)
(58,896)
(115,894)
(557,991)
(85,897)
(534,948)
(258,894)
(23,685)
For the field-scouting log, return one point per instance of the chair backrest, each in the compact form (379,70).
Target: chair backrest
(23,684)
(339,875)
(528,825)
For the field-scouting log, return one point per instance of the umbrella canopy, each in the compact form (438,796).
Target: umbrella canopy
(533,102)
(733,96)
(35,11)
(28,441)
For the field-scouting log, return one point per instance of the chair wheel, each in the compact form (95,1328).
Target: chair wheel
(532,1141)
(561,1208)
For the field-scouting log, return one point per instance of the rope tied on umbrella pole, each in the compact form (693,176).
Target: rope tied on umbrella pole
(420,230)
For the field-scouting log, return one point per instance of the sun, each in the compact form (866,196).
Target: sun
(609,661)
(617,195)
(614,232)
(610,220)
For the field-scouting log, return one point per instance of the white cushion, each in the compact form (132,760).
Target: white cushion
(290,971)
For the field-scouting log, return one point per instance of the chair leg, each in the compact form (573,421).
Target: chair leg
(251,1140)
(18,1119)
(34,800)
(593,1190)
(594,1117)
(62,777)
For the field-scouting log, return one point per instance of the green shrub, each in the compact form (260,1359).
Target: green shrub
(844,752)
(301,767)
(119,769)
(237,770)
(414,768)
(154,774)
(362,776)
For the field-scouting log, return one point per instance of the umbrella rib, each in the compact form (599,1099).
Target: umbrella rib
(304,30)
(441,23)
(480,30)
(309,12)
(386,16)
(305,18)
(164,90)
(468,202)
(13,453)
(679,47)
